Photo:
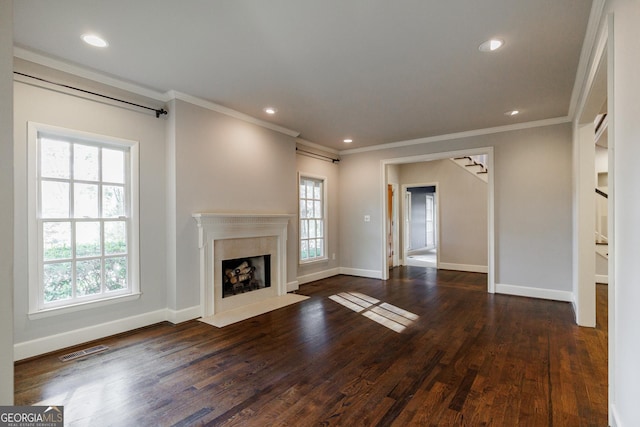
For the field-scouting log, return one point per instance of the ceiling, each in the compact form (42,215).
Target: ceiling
(376,71)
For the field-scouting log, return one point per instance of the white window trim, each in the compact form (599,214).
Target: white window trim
(36,311)
(325,210)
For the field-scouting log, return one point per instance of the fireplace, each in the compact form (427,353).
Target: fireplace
(253,244)
(242,275)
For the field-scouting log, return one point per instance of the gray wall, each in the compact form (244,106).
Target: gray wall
(6,207)
(462,200)
(58,109)
(330,171)
(223,164)
(532,204)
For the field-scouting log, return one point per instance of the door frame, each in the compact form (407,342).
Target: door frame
(404,209)
(602,55)
(491,247)
(391,220)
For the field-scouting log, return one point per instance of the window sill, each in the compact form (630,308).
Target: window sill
(56,311)
(315,261)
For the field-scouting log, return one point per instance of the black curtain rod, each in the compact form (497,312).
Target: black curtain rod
(158,112)
(327,158)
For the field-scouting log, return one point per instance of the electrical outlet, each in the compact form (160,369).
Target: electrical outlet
(367,218)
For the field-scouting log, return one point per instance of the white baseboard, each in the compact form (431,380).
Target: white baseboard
(526,291)
(602,278)
(180,316)
(463,267)
(318,276)
(44,345)
(293,286)
(615,417)
(373,274)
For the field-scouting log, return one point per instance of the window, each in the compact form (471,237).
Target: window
(83,218)
(312,219)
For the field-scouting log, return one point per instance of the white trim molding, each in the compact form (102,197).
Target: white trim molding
(98,77)
(78,71)
(316,146)
(179,316)
(615,416)
(531,292)
(293,286)
(460,135)
(584,76)
(219,227)
(463,267)
(39,346)
(307,278)
(172,94)
(55,342)
(491,247)
(38,308)
(372,274)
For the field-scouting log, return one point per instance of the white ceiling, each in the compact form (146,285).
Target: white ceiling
(378,71)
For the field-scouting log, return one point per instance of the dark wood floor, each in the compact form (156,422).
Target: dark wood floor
(470,359)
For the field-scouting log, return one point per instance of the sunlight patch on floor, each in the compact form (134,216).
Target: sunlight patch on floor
(388,315)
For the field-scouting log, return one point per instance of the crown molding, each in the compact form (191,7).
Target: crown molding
(85,73)
(98,77)
(316,146)
(591,48)
(172,94)
(459,135)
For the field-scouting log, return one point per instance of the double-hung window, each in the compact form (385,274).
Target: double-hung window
(312,215)
(83,218)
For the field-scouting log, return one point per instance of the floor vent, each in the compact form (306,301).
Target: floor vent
(83,353)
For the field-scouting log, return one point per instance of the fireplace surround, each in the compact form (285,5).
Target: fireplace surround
(229,236)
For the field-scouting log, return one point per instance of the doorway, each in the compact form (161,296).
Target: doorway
(593,214)
(591,134)
(389,174)
(420,221)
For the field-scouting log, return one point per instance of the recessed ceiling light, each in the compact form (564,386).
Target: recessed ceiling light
(94,40)
(348,140)
(511,113)
(491,45)
(270,110)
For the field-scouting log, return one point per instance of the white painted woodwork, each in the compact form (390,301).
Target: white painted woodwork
(226,236)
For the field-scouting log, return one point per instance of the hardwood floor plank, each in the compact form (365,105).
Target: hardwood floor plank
(463,390)
(466,358)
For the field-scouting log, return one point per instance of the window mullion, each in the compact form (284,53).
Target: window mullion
(72,215)
(103,288)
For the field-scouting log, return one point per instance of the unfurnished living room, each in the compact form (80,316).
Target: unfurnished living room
(219,212)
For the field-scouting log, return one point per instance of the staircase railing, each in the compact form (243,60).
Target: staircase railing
(602,193)
(601,235)
(479,161)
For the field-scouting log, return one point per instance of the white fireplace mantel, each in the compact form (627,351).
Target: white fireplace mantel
(214,227)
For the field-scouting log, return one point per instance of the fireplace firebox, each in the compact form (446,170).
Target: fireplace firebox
(242,275)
